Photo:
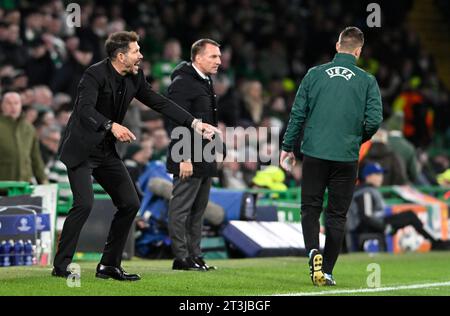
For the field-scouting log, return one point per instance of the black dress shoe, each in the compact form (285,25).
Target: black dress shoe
(187,264)
(60,273)
(201,262)
(116,273)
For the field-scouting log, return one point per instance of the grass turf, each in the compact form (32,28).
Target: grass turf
(240,277)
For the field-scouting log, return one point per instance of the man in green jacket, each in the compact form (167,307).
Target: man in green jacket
(20,157)
(339,106)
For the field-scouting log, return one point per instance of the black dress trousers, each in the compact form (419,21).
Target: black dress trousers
(109,171)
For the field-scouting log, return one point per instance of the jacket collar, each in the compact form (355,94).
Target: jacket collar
(112,81)
(344,57)
(201,74)
(11,120)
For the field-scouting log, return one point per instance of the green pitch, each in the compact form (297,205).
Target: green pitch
(407,274)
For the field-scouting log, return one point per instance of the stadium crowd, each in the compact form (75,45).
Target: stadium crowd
(267,47)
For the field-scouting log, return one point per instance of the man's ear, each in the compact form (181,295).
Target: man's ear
(358,52)
(120,57)
(338,46)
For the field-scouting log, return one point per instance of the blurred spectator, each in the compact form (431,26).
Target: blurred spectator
(152,121)
(50,137)
(263,55)
(62,114)
(60,99)
(418,127)
(33,27)
(226,68)
(227,101)
(39,67)
(46,118)
(367,210)
(380,152)
(11,48)
(27,96)
(271,178)
(273,61)
(137,157)
(43,96)
(252,103)
(170,59)
(161,143)
(132,121)
(231,176)
(49,142)
(30,114)
(19,80)
(21,158)
(444,179)
(95,36)
(294,178)
(278,110)
(67,77)
(427,173)
(400,145)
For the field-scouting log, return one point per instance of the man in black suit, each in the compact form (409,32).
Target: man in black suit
(88,149)
(192,89)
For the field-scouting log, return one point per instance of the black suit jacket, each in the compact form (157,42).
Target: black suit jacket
(96,103)
(197,96)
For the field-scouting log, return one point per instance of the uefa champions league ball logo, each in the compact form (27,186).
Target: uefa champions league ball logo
(39,225)
(23,227)
(409,241)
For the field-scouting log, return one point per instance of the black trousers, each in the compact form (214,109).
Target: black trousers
(186,208)
(110,172)
(339,178)
(407,218)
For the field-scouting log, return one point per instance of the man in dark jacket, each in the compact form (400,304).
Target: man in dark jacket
(340,107)
(381,152)
(192,89)
(88,149)
(367,211)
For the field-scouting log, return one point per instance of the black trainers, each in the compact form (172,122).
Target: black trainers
(329,280)
(315,268)
(60,273)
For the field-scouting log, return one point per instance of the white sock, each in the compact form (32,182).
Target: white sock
(310,252)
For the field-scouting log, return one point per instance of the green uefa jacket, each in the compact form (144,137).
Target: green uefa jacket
(340,106)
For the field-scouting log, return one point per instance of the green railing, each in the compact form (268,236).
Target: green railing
(12,188)
(286,201)
(289,201)
(65,197)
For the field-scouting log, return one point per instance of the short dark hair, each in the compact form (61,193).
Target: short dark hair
(351,38)
(119,43)
(199,46)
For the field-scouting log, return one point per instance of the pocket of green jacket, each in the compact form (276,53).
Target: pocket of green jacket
(6,171)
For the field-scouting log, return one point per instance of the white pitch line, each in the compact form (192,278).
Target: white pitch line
(370,290)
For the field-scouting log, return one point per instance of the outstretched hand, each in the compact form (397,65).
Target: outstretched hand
(122,133)
(207,130)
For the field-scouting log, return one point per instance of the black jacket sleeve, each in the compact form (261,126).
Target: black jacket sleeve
(87,99)
(161,104)
(367,221)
